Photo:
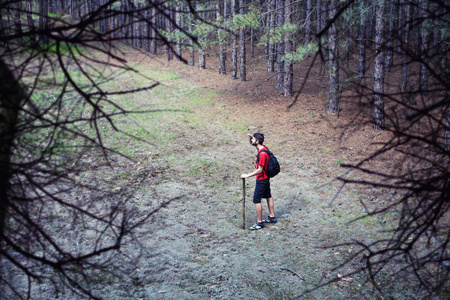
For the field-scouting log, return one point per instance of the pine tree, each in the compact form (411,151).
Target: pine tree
(378,88)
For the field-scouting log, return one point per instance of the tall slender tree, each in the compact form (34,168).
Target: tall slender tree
(288,64)
(334,86)
(43,21)
(220,16)
(280,47)
(308,23)
(242,49)
(378,88)
(362,39)
(271,45)
(404,43)
(153,27)
(390,39)
(424,46)
(234,67)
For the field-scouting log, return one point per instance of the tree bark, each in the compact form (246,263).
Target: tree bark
(424,47)
(252,42)
(362,40)
(280,48)
(318,17)
(288,65)
(378,89)
(102,18)
(271,45)
(308,30)
(112,20)
(334,86)
(233,44)
(242,49)
(405,45)
(146,28)
(371,21)
(153,30)
(30,22)
(390,41)
(447,125)
(17,21)
(178,18)
(43,21)
(168,26)
(11,96)
(201,52)
(349,39)
(130,19)
(220,16)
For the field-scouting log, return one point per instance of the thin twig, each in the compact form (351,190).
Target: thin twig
(295,273)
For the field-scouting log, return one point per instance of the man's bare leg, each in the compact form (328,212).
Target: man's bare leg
(271,209)
(258,207)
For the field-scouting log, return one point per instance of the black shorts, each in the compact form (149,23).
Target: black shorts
(262,190)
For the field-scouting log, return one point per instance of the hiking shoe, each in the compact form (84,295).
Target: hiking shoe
(257,226)
(270,220)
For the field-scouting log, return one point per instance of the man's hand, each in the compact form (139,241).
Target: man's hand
(243,176)
(251,138)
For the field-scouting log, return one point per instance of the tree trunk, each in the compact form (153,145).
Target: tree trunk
(424,47)
(318,17)
(405,45)
(168,27)
(140,25)
(390,41)
(447,125)
(416,28)
(288,66)
(233,44)
(378,89)
(362,40)
(130,19)
(30,22)
(371,21)
(112,20)
(201,52)
(308,29)
(280,48)
(242,50)
(443,55)
(2,27)
(102,18)
(400,29)
(11,95)
(333,94)
(252,42)
(271,46)
(178,18)
(146,28)
(154,28)
(17,22)
(220,33)
(43,21)
(348,39)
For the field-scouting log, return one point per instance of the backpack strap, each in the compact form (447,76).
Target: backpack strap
(257,159)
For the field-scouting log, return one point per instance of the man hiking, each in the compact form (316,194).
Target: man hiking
(262,188)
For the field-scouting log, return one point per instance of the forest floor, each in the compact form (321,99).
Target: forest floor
(198,147)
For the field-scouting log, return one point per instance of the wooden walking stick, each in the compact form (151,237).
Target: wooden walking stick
(243,203)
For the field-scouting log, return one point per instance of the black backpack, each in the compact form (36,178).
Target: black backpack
(274,167)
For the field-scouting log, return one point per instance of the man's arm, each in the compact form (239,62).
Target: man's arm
(256,172)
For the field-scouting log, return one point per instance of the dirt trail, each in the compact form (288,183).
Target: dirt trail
(197,248)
